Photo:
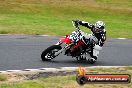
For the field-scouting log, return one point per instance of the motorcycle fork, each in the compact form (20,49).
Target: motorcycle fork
(63,49)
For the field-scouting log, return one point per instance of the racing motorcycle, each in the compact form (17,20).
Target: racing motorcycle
(76,45)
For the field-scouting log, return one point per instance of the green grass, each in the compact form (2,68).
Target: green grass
(54,17)
(69,81)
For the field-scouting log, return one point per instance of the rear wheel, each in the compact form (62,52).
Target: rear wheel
(92,60)
(80,58)
(48,54)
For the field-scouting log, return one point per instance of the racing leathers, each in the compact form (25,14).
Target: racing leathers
(100,35)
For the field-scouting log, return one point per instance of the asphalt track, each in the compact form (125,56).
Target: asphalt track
(18,52)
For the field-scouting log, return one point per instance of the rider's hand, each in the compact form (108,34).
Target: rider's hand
(76,22)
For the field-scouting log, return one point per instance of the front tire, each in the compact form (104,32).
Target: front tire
(48,54)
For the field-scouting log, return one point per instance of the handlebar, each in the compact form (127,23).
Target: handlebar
(75,25)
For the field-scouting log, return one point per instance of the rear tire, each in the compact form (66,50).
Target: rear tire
(48,54)
(92,60)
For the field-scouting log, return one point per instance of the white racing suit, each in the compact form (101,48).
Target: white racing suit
(99,37)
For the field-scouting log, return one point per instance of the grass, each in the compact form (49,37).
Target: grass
(69,81)
(54,17)
(3,77)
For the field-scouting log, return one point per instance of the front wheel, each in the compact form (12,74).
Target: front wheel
(48,54)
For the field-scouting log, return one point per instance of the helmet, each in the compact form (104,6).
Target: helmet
(99,26)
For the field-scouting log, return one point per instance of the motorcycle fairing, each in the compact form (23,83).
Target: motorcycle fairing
(65,40)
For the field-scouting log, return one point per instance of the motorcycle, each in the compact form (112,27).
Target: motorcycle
(76,45)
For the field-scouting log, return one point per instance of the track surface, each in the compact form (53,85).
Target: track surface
(18,52)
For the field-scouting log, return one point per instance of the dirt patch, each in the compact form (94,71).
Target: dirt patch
(48,74)
(17,77)
(12,78)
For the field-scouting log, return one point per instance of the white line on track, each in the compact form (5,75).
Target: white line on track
(55,69)
(122,38)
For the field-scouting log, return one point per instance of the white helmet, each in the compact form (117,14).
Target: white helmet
(99,26)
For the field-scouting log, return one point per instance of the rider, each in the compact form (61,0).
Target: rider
(98,31)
